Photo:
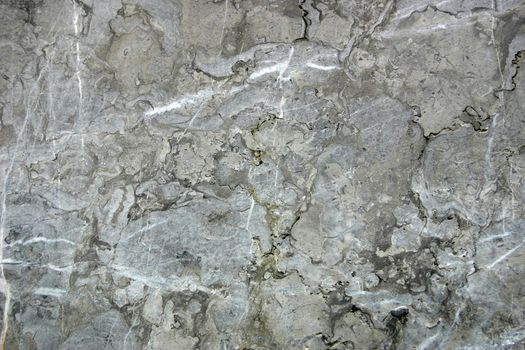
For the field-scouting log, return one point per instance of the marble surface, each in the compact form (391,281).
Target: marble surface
(262,174)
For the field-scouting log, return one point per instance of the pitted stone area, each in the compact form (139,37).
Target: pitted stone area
(262,174)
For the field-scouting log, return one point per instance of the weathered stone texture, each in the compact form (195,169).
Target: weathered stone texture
(262,174)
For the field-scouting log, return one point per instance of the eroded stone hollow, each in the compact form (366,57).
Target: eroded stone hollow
(262,174)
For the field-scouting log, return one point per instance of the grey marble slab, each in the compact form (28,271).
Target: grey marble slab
(262,174)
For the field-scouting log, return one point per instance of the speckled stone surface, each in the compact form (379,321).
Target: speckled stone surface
(262,174)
